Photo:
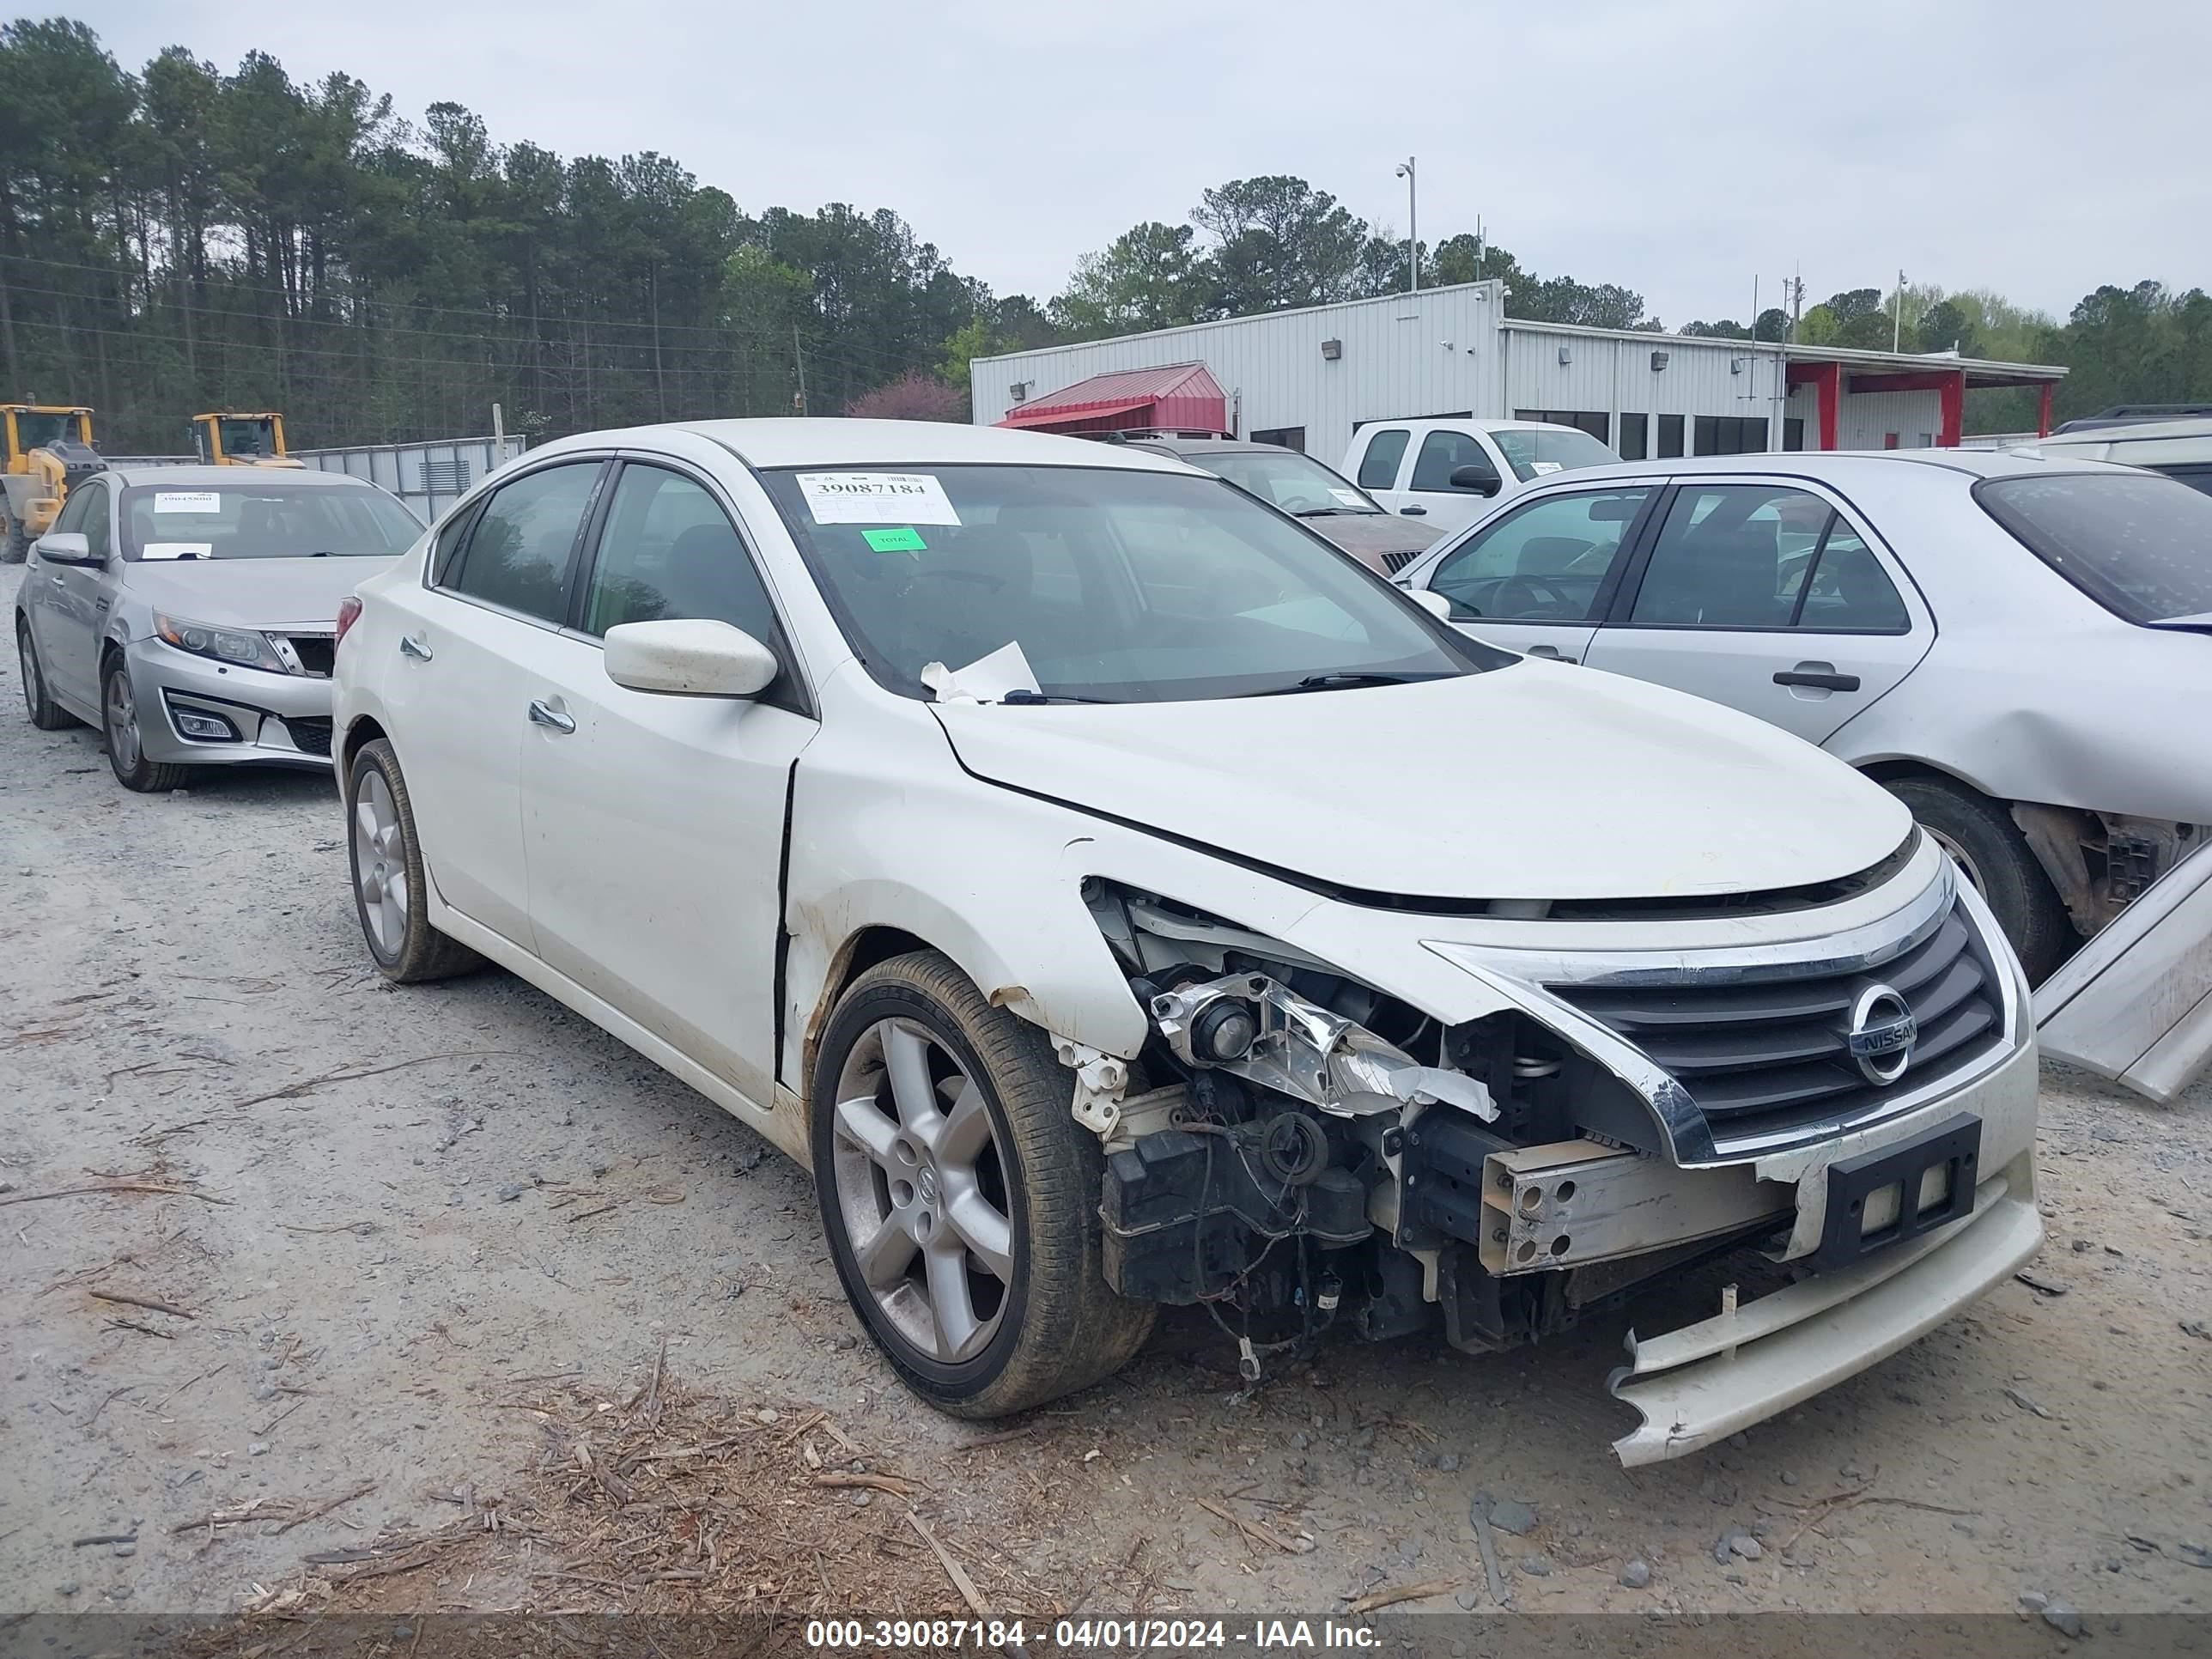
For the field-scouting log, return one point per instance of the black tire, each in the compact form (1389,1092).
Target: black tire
(46,713)
(2001,865)
(133,771)
(1062,1327)
(15,541)
(421,951)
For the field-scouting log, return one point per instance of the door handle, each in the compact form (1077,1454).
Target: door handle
(1414,512)
(1551,653)
(543,714)
(411,647)
(1827,681)
(57,582)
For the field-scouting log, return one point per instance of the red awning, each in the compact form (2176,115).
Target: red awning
(1171,396)
(1061,415)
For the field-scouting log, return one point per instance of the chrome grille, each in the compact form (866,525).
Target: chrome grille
(1766,1056)
(1394,562)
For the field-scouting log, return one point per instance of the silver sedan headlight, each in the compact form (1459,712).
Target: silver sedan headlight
(233,645)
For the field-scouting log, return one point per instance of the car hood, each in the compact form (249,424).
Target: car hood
(1369,536)
(1532,781)
(251,592)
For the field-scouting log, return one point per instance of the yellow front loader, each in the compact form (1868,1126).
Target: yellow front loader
(44,447)
(233,440)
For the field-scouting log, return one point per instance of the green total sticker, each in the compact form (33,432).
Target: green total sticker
(904,539)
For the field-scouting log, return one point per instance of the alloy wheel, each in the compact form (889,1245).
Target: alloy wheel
(379,863)
(921,1191)
(27,660)
(123,744)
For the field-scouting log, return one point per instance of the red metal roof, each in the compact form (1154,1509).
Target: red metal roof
(1118,393)
(1087,412)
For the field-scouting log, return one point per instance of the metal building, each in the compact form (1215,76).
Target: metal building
(1308,378)
(428,476)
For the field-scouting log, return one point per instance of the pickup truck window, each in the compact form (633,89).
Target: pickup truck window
(1378,467)
(1445,451)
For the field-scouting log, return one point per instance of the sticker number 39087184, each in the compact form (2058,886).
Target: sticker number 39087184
(876,498)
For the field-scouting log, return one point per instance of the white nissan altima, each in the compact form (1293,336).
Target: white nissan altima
(1118,898)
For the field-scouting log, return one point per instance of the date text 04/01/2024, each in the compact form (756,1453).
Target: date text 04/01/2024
(1078,1635)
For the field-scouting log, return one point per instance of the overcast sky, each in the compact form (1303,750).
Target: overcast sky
(1680,149)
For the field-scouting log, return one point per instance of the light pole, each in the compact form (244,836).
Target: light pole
(1412,227)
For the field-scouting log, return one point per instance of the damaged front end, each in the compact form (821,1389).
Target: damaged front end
(1292,1147)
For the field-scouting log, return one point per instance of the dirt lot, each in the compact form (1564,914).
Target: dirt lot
(538,1316)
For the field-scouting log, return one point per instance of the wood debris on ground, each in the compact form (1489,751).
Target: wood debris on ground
(674,1502)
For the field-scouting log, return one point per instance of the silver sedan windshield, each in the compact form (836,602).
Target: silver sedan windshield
(1117,586)
(258,519)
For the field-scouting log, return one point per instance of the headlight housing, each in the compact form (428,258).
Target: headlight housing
(242,647)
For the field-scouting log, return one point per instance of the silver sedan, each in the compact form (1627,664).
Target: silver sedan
(190,613)
(2011,644)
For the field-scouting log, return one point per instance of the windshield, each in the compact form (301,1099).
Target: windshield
(37,431)
(1297,483)
(1118,586)
(2139,545)
(263,521)
(1535,451)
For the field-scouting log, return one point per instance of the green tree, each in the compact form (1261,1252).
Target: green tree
(1279,242)
(1149,277)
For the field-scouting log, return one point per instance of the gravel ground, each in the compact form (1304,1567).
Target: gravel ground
(366,1263)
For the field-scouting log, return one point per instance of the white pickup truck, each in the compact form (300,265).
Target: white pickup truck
(1446,470)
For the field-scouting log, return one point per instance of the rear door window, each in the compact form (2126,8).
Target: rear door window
(1764,556)
(1378,467)
(1545,562)
(518,555)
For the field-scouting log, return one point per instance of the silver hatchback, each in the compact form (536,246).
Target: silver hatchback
(190,612)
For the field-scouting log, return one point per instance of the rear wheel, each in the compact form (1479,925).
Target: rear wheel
(961,1197)
(15,540)
(1995,856)
(46,713)
(126,744)
(390,890)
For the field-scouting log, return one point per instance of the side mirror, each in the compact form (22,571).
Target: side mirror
(1482,480)
(1431,601)
(691,657)
(67,547)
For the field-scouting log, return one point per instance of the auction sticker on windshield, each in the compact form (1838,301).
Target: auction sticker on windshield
(177,550)
(1349,497)
(897,498)
(187,500)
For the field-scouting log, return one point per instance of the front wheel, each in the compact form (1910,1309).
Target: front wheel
(1995,856)
(390,889)
(15,540)
(960,1196)
(37,699)
(126,742)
